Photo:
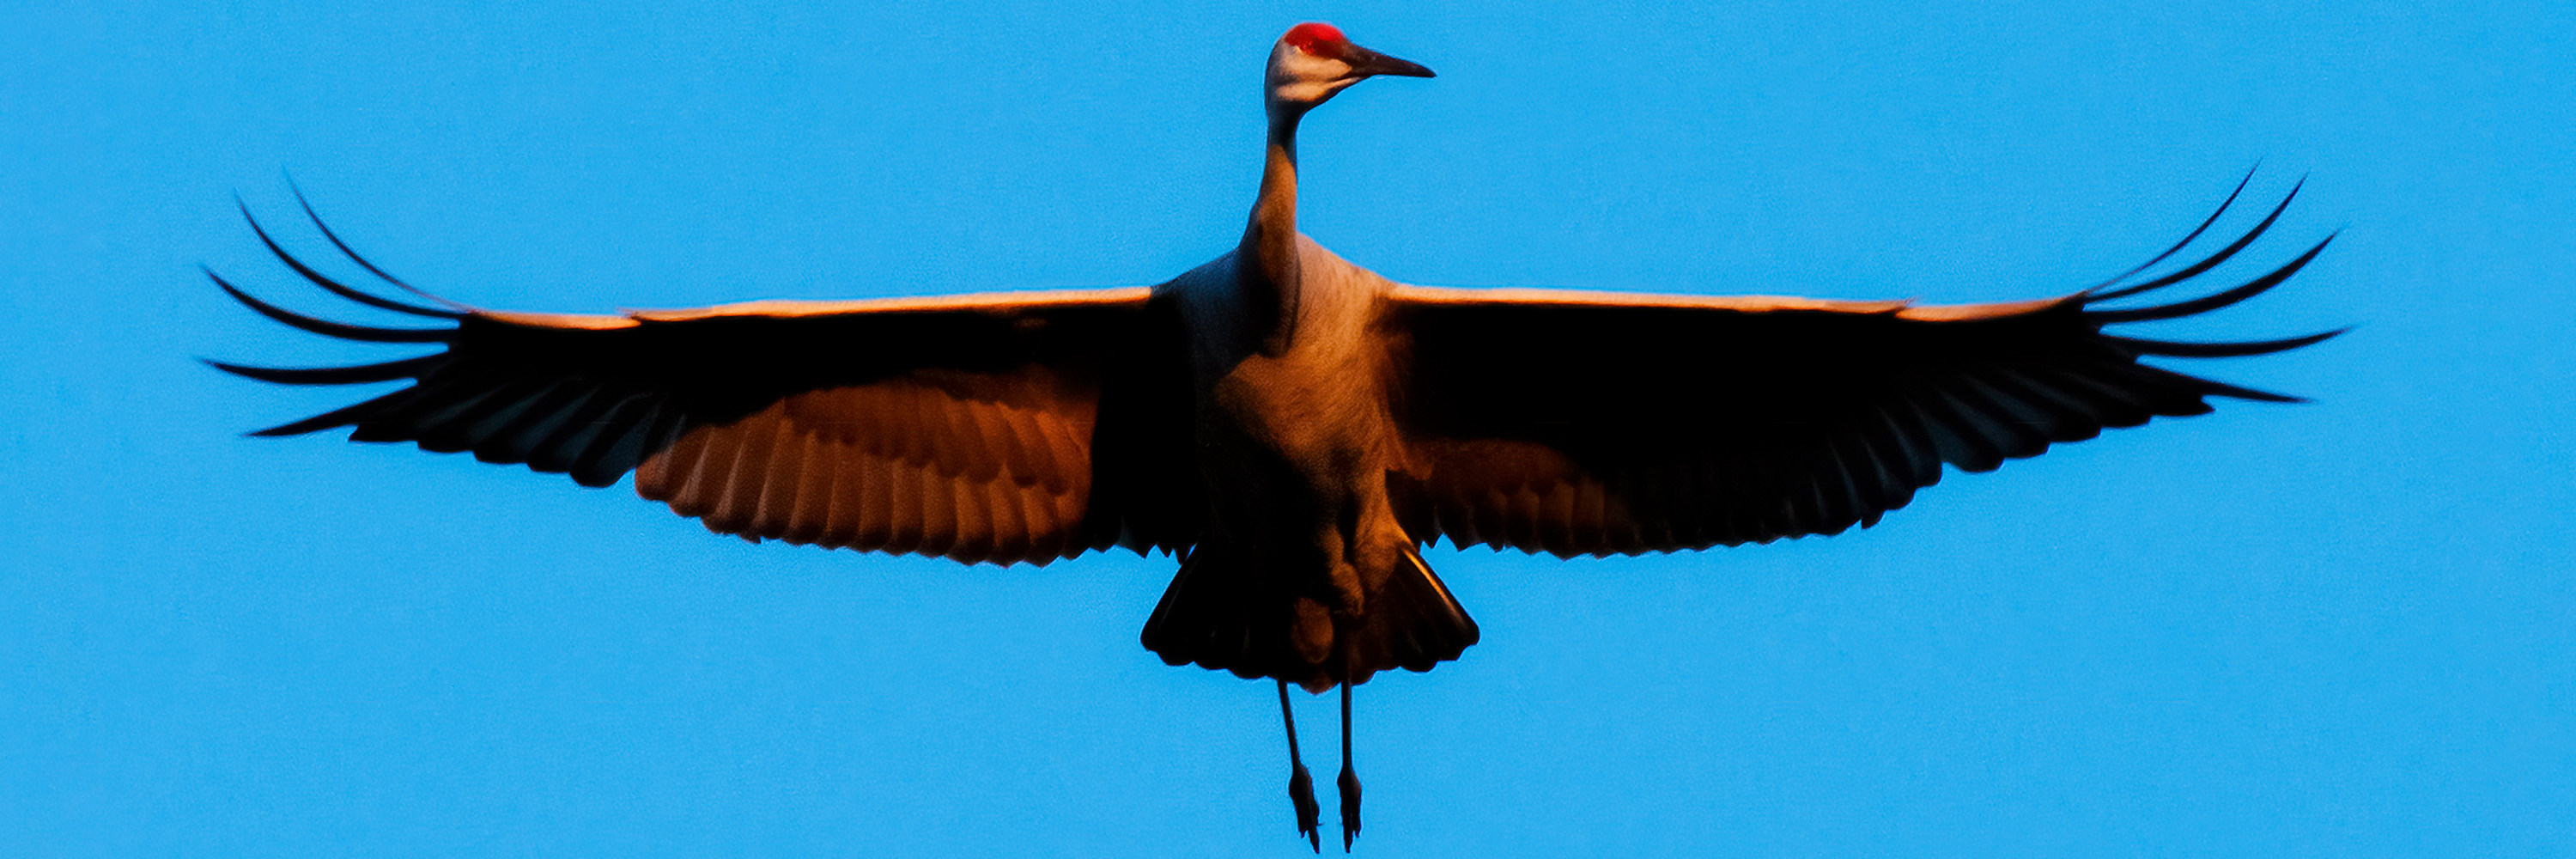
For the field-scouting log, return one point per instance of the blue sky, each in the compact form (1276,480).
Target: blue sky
(2341,628)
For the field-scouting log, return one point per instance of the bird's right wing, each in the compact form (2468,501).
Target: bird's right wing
(1003,427)
(1595,423)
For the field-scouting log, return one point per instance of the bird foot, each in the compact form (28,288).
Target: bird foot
(1301,790)
(1350,787)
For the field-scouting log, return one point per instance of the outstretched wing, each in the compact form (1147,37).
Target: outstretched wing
(1595,423)
(1003,427)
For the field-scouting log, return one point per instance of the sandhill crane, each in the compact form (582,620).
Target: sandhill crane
(1293,427)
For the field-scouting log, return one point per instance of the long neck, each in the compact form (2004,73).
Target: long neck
(1270,239)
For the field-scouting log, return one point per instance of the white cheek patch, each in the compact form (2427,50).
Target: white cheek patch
(1296,76)
(1304,91)
(1303,66)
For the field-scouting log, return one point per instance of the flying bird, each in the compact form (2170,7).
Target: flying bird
(1293,427)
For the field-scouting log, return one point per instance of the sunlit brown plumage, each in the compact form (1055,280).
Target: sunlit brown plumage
(1293,426)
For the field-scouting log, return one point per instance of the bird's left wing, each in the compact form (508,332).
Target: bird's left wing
(1594,423)
(1002,427)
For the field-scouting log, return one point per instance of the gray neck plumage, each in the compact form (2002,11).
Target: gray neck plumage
(1269,282)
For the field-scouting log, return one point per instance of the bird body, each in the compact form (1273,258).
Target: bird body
(1295,439)
(1293,426)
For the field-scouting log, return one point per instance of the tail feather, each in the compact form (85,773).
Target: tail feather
(1222,613)
(1216,615)
(1413,623)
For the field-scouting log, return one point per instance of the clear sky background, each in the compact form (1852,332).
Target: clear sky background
(2336,629)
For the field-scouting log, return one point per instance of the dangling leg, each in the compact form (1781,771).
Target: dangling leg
(1350,780)
(1301,787)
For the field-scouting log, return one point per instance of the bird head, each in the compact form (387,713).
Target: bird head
(1314,61)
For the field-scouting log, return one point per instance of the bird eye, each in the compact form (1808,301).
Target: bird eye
(1317,39)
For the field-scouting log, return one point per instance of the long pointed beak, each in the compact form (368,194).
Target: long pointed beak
(1365,62)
